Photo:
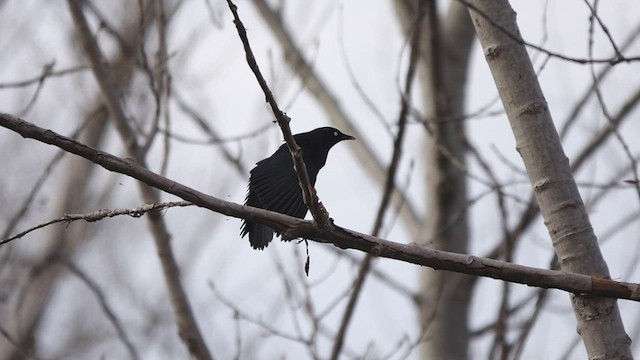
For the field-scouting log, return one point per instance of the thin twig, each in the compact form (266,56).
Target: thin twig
(363,151)
(100,215)
(605,29)
(18,215)
(580,104)
(612,122)
(516,37)
(102,300)
(47,72)
(309,194)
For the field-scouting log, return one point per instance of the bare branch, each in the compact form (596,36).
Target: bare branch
(100,215)
(309,194)
(389,186)
(616,59)
(189,331)
(342,238)
(580,104)
(102,299)
(47,72)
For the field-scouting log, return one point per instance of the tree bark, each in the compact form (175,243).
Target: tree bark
(598,319)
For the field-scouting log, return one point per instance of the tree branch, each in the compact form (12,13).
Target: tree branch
(389,186)
(99,215)
(342,238)
(189,331)
(309,195)
(515,36)
(333,109)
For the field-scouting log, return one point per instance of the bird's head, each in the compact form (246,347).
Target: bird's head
(316,144)
(327,136)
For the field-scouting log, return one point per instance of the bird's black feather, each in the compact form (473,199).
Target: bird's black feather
(273,183)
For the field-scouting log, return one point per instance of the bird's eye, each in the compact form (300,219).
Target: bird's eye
(335,133)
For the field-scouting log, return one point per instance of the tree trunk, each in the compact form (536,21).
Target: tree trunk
(561,206)
(445,56)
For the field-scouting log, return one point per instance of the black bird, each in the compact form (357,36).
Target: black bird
(273,184)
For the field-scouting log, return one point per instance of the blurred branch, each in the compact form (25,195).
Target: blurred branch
(293,227)
(597,141)
(380,275)
(185,319)
(102,299)
(389,186)
(599,96)
(605,29)
(110,91)
(47,72)
(214,137)
(446,57)
(258,322)
(26,353)
(39,81)
(22,211)
(580,104)
(375,110)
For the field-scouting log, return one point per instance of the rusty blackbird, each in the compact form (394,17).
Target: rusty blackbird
(273,183)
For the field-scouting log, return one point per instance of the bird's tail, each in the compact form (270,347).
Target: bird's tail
(259,235)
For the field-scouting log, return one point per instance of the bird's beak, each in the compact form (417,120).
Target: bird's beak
(348,137)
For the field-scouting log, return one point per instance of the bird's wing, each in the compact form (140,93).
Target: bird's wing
(277,189)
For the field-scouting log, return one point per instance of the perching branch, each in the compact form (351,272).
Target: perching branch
(343,238)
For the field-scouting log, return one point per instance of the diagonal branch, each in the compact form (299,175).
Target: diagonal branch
(108,311)
(319,213)
(334,110)
(342,238)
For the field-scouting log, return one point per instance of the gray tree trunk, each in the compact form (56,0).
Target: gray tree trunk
(446,296)
(445,56)
(598,319)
